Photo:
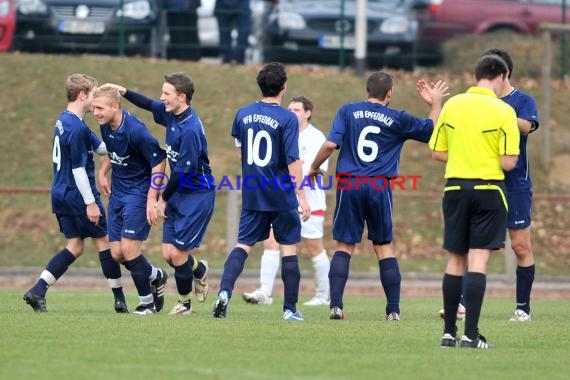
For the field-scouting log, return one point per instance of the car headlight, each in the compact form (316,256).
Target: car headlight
(290,20)
(4,8)
(395,25)
(137,10)
(27,7)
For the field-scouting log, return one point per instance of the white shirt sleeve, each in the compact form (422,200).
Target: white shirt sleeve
(82,183)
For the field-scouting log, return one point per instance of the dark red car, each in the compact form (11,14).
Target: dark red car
(7,23)
(444,19)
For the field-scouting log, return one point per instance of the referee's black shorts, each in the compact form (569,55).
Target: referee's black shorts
(475,215)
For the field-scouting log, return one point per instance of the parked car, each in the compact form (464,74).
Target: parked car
(86,25)
(209,34)
(444,19)
(7,23)
(309,31)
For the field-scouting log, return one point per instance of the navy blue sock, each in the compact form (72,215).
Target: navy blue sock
(140,272)
(232,269)
(200,268)
(184,276)
(452,289)
(391,279)
(111,270)
(338,275)
(525,278)
(57,266)
(291,276)
(475,284)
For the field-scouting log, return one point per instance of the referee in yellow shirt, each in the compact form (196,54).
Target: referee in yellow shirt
(477,136)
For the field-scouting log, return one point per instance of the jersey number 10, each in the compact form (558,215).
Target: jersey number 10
(253,144)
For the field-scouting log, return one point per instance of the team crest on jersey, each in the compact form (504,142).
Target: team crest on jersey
(118,160)
(171,154)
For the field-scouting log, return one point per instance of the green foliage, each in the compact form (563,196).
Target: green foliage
(81,337)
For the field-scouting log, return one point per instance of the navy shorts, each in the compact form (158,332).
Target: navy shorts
(370,204)
(127,218)
(475,215)
(79,226)
(520,209)
(188,215)
(254,226)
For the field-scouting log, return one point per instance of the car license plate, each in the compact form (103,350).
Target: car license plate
(81,27)
(333,42)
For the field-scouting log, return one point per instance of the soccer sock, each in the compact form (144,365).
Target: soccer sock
(198,268)
(112,272)
(452,289)
(391,279)
(155,273)
(140,272)
(291,276)
(232,269)
(55,268)
(338,275)
(322,266)
(475,284)
(184,276)
(270,261)
(525,278)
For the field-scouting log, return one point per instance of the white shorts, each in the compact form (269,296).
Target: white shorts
(313,228)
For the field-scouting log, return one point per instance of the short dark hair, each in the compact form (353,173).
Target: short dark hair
(182,83)
(307,103)
(490,67)
(504,56)
(378,85)
(271,79)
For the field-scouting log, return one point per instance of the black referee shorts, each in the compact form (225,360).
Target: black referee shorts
(475,215)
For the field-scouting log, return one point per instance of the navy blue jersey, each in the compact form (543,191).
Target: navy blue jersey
(525,108)
(371,137)
(269,138)
(133,152)
(72,149)
(186,147)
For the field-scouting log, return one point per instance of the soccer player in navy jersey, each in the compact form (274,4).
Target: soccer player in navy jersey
(519,192)
(370,136)
(187,202)
(134,156)
(76,202)
(267,135)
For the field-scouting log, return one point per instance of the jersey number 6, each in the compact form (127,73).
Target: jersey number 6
(363,143)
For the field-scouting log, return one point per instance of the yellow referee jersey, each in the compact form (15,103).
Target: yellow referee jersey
(476,128)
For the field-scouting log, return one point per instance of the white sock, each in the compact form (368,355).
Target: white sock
(48,277)
(322,265)
(270,261)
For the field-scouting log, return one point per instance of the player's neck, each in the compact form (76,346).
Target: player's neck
(507,89)
(273,99)
(76,109)
(117,121)
(303,126)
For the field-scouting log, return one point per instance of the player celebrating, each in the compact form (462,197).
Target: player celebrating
(268,135)
(310,139)
(134,156)
(187,202)
(370,136)
(75,200)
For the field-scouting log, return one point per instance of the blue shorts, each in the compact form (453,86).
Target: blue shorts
(127,218)
(254,226)
(520,209)
(79,226)
(354,207)
(188,215)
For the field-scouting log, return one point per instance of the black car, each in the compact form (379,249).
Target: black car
(310,31)
(87,26)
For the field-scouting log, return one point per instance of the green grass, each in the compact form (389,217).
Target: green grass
(29,234)
(81,338)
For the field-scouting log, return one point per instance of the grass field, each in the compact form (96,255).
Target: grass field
(81,338)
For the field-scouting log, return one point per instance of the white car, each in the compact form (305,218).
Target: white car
(209,33)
